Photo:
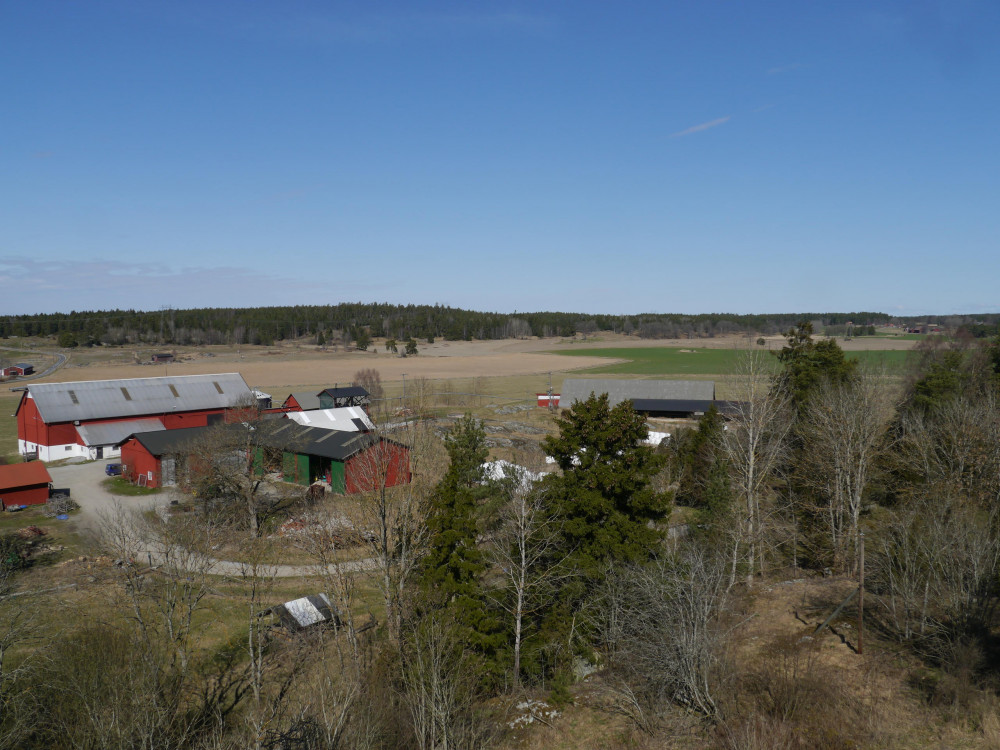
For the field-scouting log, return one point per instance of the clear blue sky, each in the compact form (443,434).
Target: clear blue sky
(614,157)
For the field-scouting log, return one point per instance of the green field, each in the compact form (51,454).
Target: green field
(673,361)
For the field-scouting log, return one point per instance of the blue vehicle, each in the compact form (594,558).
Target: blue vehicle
(113,470)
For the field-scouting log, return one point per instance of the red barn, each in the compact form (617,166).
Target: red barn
(24,484)
(348,461)
(90,419)
(150,458)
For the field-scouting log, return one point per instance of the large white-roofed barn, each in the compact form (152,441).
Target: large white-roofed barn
(89,418)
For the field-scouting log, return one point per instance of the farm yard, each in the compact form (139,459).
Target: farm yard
(497,383)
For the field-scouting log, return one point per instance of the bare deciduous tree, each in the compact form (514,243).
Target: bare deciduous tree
(844,430)
(670,632)
(392,518)
(440,688)
(754,444)
(523,547)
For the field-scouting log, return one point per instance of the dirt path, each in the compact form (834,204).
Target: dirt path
(85,481)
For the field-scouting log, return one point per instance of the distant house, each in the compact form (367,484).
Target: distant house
(328,398)
(163,358)
(24,484)
(301,401)
(89,419)
(23,369)
(545,401)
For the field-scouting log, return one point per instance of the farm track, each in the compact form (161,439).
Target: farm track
(85,481)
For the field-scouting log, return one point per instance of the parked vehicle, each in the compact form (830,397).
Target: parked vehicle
(113,470)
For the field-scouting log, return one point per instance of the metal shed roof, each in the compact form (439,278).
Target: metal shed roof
(347,418)
(164,442)
(579,389)
(316,441)
(309,610)
(137,397)
(111,433)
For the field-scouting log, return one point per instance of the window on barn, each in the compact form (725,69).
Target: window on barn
(217,386)
(73,398)
(126,394)
(173,390)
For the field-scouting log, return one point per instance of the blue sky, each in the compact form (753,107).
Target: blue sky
(583,156)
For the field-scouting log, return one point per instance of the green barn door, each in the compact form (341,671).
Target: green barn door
(337,482)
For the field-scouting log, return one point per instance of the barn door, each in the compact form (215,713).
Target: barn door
(100,451)
(168,470)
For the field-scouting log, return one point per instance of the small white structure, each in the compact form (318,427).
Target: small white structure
(655,438)
(309,610)
(344,418)
(498,470)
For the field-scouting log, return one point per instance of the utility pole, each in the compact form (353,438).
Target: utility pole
(861,591)
(404,391)
(550,390)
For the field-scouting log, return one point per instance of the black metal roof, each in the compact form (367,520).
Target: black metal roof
(681,406)
(164,442)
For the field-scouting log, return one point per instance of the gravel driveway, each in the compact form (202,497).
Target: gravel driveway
(85,483)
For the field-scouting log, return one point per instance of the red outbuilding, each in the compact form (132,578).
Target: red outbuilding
(24,484)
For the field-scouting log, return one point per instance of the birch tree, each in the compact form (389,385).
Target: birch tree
(844,430)
(754,444)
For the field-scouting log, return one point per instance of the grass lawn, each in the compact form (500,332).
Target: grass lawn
(120,486)
(692,362)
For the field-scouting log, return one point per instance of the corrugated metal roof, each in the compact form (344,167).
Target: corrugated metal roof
(30,474)
(137,397)
(110,433)
(345,418)
(284,435)
(579,389)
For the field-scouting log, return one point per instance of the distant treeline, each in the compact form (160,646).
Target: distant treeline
(354,321)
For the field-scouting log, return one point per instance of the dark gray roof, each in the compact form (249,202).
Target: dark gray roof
(579,389)
(137,397)
(317,441)
(682,406)
(283,435)
(344,392)
(165,442)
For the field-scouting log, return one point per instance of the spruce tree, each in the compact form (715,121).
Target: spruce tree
(454,566)
(609,509)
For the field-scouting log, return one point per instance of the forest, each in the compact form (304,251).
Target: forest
(359,322)
(632,569)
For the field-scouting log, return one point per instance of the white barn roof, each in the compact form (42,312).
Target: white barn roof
(137,397)
(579,389)
(346,418)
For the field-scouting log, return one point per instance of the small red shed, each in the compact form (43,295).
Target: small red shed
(24,484)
